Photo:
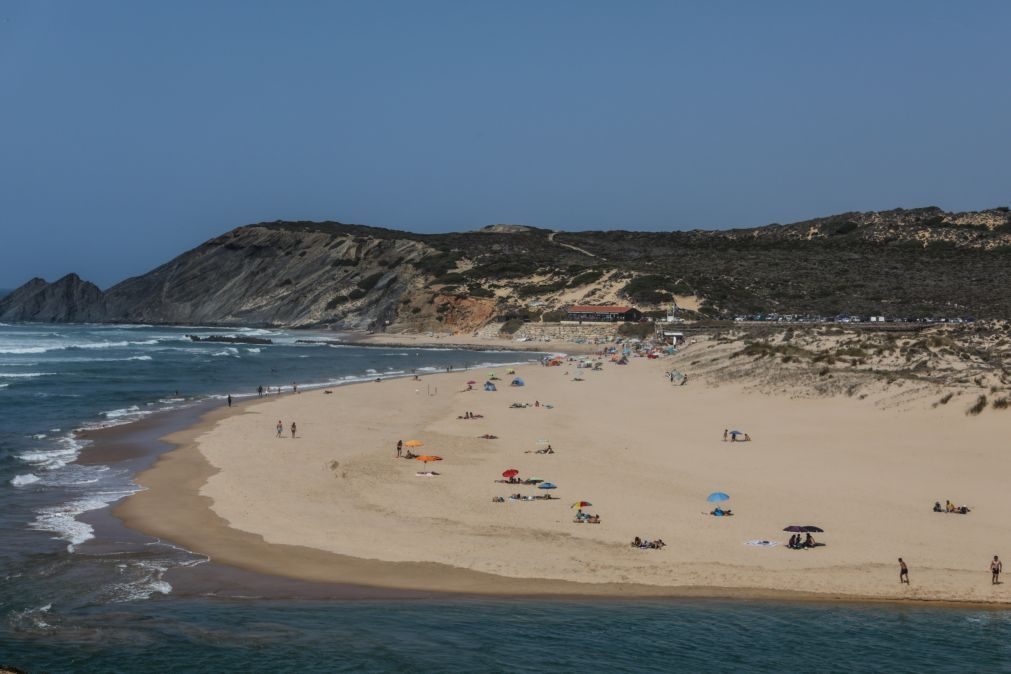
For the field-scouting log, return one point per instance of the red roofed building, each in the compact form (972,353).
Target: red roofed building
(606,314)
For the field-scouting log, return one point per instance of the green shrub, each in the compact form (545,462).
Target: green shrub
(438,264)
(554,316)
(540,289)
(369,282)
(977,407)
(586,278)
(336,302)
(637,330)
(511,326)
(476,290)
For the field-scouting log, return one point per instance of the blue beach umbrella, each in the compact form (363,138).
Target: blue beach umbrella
(546,485)
(718,496)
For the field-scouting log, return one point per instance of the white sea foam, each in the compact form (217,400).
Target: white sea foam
(39,436)
(149,583)
(62,519)
(252,351)
(22,480)
(139,358)
(227,351)
(124,411)
(25,375)
(51,459)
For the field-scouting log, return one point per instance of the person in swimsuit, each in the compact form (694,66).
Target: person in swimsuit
(903,572)
(293,429)
(280,428)
(995,568)
(400,448)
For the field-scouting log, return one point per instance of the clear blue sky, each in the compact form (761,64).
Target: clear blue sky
(131,131)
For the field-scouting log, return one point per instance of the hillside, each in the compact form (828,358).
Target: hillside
(909,263)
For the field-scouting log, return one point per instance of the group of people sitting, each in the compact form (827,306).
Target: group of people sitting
(720,512)
(539,497)
(950,507)
(644,544)
(586,517)
(471,415)
(488,436)
(516,480)
(545,450)
(798,542)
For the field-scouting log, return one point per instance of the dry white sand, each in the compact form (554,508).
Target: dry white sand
(645,453)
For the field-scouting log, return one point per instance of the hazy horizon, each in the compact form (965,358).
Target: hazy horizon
(132,133)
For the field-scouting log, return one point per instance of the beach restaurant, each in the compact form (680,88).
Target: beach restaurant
(604,314)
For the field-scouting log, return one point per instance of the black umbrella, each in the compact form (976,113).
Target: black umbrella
(795,528)
(813,529)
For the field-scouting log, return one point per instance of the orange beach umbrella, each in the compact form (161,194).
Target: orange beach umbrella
(414,443)
(428,457)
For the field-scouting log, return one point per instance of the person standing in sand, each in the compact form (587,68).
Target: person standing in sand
(280,428)
(903,572)
(995,568)
(229,399)
(400,448)
(725,431)
(293,429)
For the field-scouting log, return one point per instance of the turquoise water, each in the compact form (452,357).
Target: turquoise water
(77,597)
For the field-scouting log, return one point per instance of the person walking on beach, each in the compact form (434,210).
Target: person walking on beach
(293,429)
(400,448)
(259,391)
(903,572)
(229,399)
(725,431)
(280,428)
(995,568)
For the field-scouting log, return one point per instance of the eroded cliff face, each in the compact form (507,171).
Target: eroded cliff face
(249,276)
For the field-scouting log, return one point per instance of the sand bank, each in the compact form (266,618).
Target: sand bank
(335,505)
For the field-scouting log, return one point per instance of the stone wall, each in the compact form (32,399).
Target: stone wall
(567,332)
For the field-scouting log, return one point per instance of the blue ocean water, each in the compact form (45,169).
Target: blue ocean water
(73,598)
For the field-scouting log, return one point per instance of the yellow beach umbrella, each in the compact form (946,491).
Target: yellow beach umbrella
(414,443)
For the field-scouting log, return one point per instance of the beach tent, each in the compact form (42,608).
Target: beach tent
(517,382)
(717,497)
(488,386)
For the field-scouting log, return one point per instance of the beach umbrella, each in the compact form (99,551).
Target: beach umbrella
(717,497)
(546,485)
(471,382)
(414,443)
(795,528)
(512,472)
(428,457)
(581,504)
(811,529)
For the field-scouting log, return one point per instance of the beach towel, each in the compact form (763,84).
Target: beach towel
(761,543)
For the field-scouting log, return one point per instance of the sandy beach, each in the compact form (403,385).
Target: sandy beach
(334,504)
